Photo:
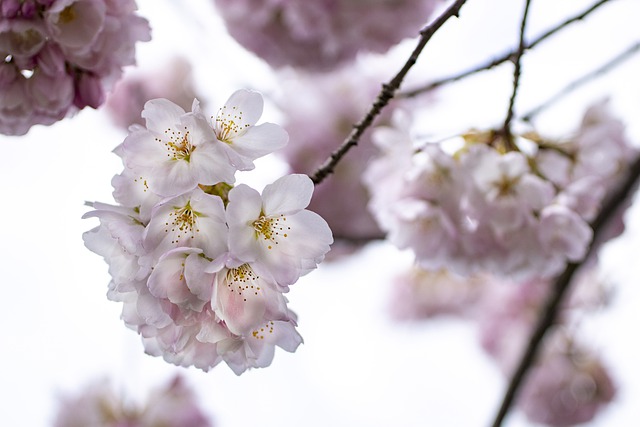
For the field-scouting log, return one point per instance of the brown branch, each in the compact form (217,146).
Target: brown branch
(614,62)
(386,94)
(517,70)
(560,287)
(501,59)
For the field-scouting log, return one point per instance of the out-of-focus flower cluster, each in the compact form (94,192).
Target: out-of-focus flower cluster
(518,211)
(62,55)
(491,223)
(174,405)
(199,264)
(322,34)
(569,383)
(173,81)
(317,124)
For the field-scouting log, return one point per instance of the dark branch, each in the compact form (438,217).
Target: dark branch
(501,59)
(614,62)
(386,94)
(560,287)
(517,70)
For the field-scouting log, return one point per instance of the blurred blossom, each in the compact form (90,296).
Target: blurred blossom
(320,35)
(487,207)
(174,405)
(200,265)
(62,56)
(568,386)
(420,293)
(173,81)
(507,318)
(320,111)
(508,312)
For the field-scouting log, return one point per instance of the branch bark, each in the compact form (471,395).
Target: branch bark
(501,59)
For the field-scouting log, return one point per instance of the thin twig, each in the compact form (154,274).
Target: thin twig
(386,94)
(560,287)
(517,70)
(501,59)
(614,62)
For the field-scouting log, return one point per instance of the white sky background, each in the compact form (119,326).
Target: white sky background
(356,367)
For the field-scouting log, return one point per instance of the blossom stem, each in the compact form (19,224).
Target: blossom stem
(561,286)
(586,78)
(517,71)
(386,94)
(503,58)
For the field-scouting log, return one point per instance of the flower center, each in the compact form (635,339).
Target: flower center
(179,146)
(67,15)
(181,221)
(259,333)
(242,279)
(228,124)
(271,228)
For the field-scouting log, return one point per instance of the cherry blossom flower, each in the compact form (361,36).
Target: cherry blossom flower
(243,299)
(321,35)
(98,405)
(193,219)
(235,126)
(275,231)
(176,151)
(62,56)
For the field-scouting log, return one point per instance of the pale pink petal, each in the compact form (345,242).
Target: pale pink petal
(290,193)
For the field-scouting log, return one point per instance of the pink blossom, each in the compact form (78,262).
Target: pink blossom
(317,123)
(173,81)
(176,151)
(98,405)
(235,126)
(483,208)
(64,56)
(419,294)
(275,231)
(321,35)
(567,387)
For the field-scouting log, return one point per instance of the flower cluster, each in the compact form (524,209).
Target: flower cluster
(487,206)
(320,35)
(98,405)
(61,56)
(201,265)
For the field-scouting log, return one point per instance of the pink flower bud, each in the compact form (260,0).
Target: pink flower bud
(28,9)
(88,91)
(9,8)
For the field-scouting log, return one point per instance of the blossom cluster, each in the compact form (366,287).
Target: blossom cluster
(321,35)
(569,384)
(518,210)
(173,405)
(201,265)
(61,56)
